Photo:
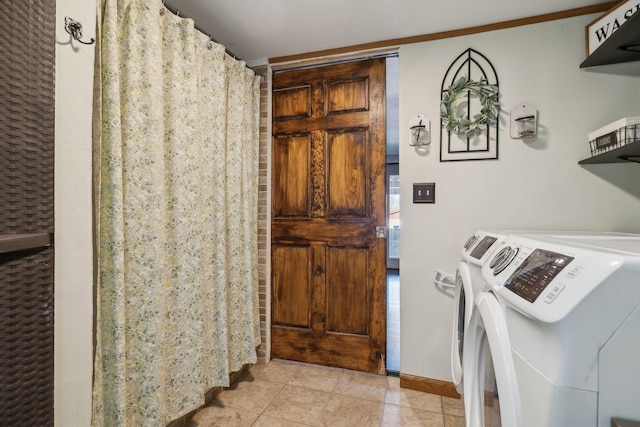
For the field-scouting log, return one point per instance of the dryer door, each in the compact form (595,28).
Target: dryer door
(463,308)
(492,397)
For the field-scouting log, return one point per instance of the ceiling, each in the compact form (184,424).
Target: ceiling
(261,29)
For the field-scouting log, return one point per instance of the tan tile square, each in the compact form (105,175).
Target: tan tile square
(362,385)
(393,382)
(452,406)
(316,378)
(219,416)
(453,421)
(343,411)
(414,399)
(299,404)
(396,416)
(275,371)
(250,394)
(267,421)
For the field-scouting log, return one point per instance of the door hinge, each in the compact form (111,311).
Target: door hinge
(381,232)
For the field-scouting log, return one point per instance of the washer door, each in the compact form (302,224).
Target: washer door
(492,397)
(463,309)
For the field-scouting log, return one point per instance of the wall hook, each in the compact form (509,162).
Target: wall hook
(74,28)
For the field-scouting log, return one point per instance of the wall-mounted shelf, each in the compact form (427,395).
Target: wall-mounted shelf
(622,46)
(624,154)
(21,242)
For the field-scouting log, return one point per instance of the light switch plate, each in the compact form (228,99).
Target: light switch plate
(424,192)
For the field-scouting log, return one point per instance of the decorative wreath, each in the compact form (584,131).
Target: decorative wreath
(452,112)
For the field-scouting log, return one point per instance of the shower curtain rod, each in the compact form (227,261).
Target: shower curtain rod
(177,13)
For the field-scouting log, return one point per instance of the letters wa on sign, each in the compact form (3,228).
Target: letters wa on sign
(601,29)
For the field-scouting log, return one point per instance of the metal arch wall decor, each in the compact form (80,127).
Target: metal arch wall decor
(469,107)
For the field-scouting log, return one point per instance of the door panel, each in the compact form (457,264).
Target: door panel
(347,291)
(292,285)
(290,194)
(292,103)
(328,180)
(347,96)
(347,173)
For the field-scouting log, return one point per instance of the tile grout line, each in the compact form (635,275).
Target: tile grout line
(296,368)
(285,384)
(278,393)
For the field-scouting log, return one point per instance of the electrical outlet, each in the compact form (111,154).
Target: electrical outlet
(424,192)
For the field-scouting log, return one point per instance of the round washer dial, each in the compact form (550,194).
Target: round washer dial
(502,259)
(470,242)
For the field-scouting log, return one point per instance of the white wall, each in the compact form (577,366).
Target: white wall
(533,184)
(73,213)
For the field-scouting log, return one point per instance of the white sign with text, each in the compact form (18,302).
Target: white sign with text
(601,29)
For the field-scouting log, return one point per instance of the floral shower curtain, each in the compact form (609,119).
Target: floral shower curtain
(176,189)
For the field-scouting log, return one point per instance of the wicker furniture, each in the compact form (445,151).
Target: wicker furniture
(27,43)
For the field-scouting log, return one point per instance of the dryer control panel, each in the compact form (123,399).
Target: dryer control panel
(546,277)
(536,272)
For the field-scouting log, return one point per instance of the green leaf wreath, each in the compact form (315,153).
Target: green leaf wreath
(452,111)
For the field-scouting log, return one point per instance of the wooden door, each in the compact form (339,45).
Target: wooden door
(328,197)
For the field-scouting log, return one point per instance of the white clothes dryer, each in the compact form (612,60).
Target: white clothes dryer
(476,250)
(554,339)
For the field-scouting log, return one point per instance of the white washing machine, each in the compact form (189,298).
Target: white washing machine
(554,339)
(468,281)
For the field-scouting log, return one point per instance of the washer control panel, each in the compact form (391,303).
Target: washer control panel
(479,246)
(483,246)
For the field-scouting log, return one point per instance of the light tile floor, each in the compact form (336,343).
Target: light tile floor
(287,394)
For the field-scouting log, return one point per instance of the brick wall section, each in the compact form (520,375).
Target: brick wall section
(263,208)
